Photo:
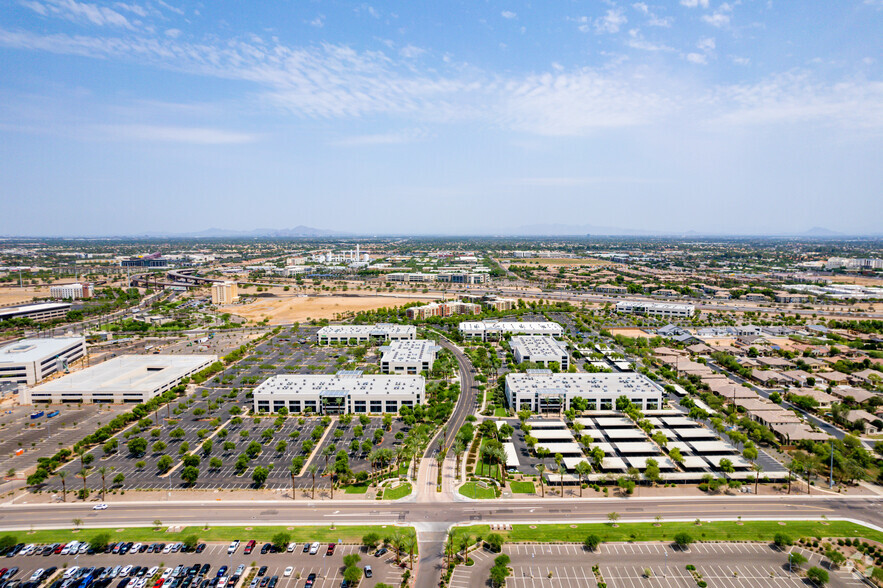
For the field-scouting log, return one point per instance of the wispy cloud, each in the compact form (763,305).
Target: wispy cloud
(393,138)
(694,3)
(82,12)
(611,22)
(172,134)
(508,14)
(720,17)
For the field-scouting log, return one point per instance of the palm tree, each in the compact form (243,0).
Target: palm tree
(757,469)
(582,470)
(411,543)
(83,473)
(464,543)
(540,469)
(293,471)
(313,469)
(61,476)
(103,471)
(558,459)
(459,449)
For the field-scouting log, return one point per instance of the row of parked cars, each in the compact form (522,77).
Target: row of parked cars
(8,579)
(79,548)
(311,548)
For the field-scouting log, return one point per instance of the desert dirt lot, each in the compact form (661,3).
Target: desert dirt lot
(19,295)
(629,332)
(297,308)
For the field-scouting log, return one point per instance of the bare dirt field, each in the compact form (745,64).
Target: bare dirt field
(300,308)
(18,295)
(630,332)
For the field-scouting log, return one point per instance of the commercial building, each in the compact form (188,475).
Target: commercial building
(412,277)
(127,378)
(72,291)
(542,391)
(611,289)
(451,308)
(344,392)
(540,349)
(485,330)
(408,357)
(462,277)
(657,309)
(152,260)
(225,293)
(789,298)
(30,360)
(359,334)
(499,304)
(36,312)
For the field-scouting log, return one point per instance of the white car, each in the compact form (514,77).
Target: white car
(239,570)
(166,573)
(291,547)
(36,575)
(125,571)
(71,572)
(151,572)
(167,548)
(135,549)
(101,506)
(288,571)
(232,549)
(84,547)
(28,549)
(314,548)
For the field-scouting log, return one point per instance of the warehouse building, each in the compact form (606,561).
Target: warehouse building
(36,312)
(343,393)
(540,349)
(484,330)
(123,379)
(542,391)
(30,360)
(657,309)
(408,357)
(358,334)
(72,291)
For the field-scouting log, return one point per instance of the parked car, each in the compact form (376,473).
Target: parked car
(314,548)
(291,547)
(233,547)
(288,571)
(330,550)
(368,572)
(249,547)
(381,551)
(310,580)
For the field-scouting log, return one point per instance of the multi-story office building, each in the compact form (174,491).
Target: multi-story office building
(36,312)
(451,308)
(358,334)
(658,309)
(225,293)
(30,360)
(344,392)
(72,291)
(484,330)
(540,349)
(543,391)
(123,379)
(408,357)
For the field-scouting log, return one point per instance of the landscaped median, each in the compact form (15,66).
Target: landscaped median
(397,492)
(323,534)
(478,490)
(666,531)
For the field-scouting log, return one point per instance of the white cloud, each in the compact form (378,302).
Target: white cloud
(637,41)
(741,60)
(698,58)
(133,8)
(173,33)
(318,22)
(652,19)
(611,22)
(79,12)
(706,44)
(411,51)
(694,3)
(172,134)
(720,17)
(394,138)
(508,14)
(641,7)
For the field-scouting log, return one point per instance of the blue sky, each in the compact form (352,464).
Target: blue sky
(751,116)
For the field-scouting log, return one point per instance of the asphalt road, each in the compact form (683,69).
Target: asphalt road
(466,402)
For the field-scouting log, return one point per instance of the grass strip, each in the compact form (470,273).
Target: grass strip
(397,492)
(473,490)
(707,531)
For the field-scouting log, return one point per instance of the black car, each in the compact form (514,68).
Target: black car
(262,570)
(200,548)
(306,547)
(274,580)
(310,579)
(205,569)
(264,581)
(381,551)
(266,548)
(143,548)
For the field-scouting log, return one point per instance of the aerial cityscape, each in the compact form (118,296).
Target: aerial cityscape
(457,295)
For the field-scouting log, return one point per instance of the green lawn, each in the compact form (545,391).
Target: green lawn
(522,487)
(714,531)
(473,490)
(397,492)
(501,412)
(356,489)
(348,534)
(484,469)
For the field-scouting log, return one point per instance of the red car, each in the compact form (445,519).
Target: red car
(249,547)
(330,549)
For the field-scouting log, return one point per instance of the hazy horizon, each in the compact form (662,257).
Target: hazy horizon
(693,116)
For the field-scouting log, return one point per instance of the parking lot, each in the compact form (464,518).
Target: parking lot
(328,569)
(623,565)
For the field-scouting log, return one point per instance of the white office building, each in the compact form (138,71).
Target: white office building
(408,357)
(359,334)
(123,379)
(540,349)
(484,330)
(344,392)
(72,291)
(543,392)
(30,360)
(657,309)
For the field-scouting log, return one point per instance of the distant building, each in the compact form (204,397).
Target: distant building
(789,298)
(72,291)
(30,360)
(359,334)
(412,277)
(657,309)
(152,260)
(408,356)
(343,393)
(485,330)
(462,277)
(611,289)
(499,304)
(36,312)
(450,308)
(543,392)
(225,293)
(123,379)
(540,349)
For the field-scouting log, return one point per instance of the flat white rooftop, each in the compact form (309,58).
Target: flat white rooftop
(378,330)
(601,383)
(356,384)
(31,350)
(562,448)
(551,434)
(409,351)
(13,310)
(526,327)
(540,346)
(137,373)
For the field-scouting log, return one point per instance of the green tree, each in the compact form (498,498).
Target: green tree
(683,539)
(164,463)
(99,541)
(190,474)
(495,542)
(370,540)
(190,542)
(259,475)
(817,575)
(281,540)
(137,446)
(592,541)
